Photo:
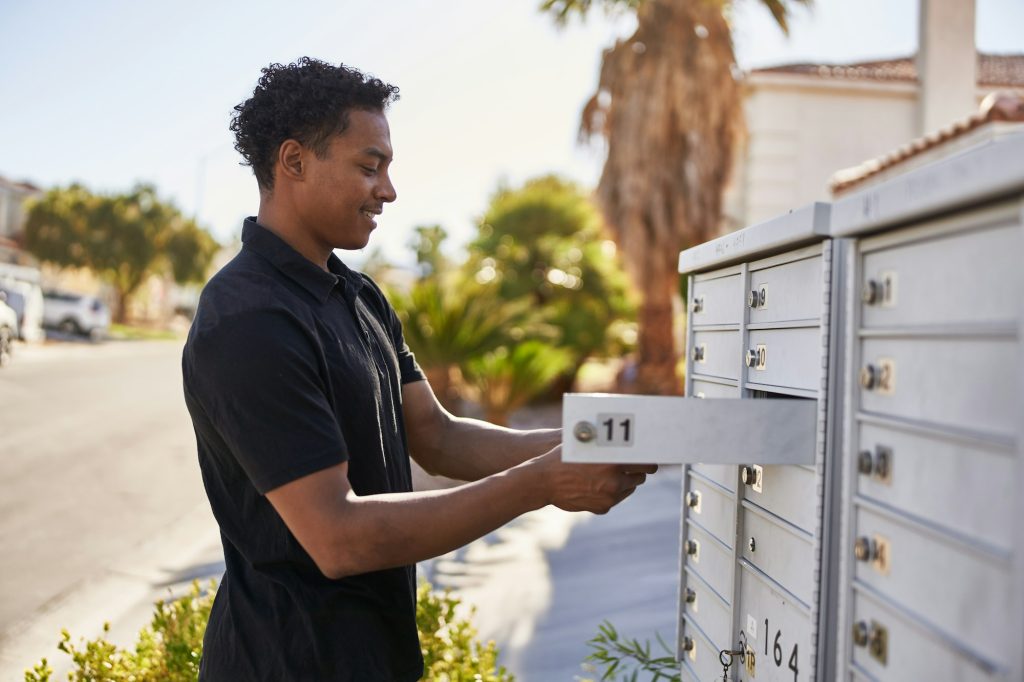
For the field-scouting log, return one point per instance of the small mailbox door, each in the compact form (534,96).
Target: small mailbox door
(629,429)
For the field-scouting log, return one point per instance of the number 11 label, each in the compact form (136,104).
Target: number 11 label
(615,429)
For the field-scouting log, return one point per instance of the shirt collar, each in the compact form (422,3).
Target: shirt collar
(297,267)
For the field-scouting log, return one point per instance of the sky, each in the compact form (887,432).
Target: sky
(112,92)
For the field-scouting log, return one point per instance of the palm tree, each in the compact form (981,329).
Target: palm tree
(669,106)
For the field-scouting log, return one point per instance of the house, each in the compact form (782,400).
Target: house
(12,218)
(805,121)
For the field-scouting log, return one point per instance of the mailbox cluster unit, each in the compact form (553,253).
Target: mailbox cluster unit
(932,518)
(762,324)
(853,483)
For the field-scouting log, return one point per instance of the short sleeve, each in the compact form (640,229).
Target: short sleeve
(257,376)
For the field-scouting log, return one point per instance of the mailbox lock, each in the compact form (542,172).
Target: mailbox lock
(752,299)
(865,549)
(688,643)
(691,547)
(698,353)
(872,292)
(691,596)
(692,499)
(869,377)
(860,633)
(749,475)
(698,304)
(751,358)
(584,432)
(752,544)
(865,462)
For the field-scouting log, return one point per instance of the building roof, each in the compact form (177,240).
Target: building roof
(999,70)
(1006,107)
(24,185)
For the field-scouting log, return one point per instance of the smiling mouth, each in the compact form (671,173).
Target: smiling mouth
(370,214)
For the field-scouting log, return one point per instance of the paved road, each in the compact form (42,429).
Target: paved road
(97,458)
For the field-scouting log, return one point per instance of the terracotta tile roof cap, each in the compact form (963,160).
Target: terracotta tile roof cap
(993,70)
(997,106)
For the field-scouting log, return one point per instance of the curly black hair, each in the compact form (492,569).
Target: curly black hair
(308,101)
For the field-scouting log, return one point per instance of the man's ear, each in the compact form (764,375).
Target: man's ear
(290,160)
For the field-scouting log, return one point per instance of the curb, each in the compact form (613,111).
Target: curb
(121,595)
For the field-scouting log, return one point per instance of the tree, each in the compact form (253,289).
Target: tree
(669,107)
(544,243)
(123,238)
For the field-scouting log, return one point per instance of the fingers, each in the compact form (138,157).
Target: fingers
(640,468)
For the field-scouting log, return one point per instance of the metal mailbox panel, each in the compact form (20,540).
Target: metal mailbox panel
(969,383)
(708,612)
(959,591)
(712,562)
(969,277)
(724,475)
(710,389)
(783,554)
(768,618)
(786,357)
(717,354)
(716,301)
(791,292)
(790,492)
(672,430)
(701,663)
(942,481)
(711,508)
(910,653)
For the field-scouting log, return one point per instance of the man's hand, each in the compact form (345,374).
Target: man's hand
(588,487)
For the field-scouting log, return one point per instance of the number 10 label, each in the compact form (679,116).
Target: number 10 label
(615,429)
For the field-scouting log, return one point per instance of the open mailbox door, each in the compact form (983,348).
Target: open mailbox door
(626,429)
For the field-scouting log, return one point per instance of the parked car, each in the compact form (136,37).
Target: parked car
(26,299)
(75,314)
(8,330)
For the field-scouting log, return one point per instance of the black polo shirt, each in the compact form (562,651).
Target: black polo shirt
(289,369)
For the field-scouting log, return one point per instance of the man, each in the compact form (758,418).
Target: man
(307,403)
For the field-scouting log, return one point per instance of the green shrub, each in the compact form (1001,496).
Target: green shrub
(627,658)
(451,652)
(169,648)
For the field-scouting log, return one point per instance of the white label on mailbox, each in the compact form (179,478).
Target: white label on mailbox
(888,289)
(616,429)
(886,376)
(751,626)
(761,362)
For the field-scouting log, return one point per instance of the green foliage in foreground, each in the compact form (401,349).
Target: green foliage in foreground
(170,647)
(451,652)
(628,658)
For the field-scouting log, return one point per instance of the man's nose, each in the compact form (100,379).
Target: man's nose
(386,189)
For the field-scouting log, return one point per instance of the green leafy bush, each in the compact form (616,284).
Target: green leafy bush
(451,652)
(169,648)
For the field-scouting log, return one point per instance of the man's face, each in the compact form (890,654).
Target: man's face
(347,189)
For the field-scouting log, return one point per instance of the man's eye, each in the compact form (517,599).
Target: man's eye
(369,170)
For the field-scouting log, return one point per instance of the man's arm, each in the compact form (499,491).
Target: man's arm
(465,449)
(346,534)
